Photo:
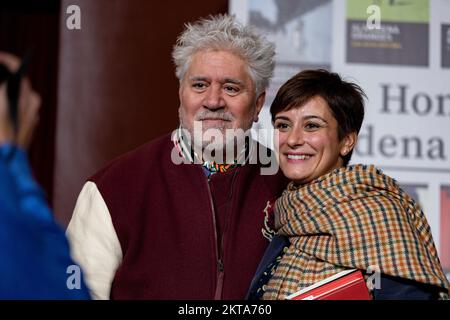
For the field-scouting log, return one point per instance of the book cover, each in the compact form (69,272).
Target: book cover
(345,285)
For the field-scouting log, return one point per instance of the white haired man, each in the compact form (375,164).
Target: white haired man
(168,220)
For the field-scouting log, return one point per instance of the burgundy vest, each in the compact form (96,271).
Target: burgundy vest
(183,237)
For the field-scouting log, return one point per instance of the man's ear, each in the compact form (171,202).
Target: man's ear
(259,104)
(348,143)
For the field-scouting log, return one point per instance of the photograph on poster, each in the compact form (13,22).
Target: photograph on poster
(301,42)
(291,25)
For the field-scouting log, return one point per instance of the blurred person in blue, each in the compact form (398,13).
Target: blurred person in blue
(35,261)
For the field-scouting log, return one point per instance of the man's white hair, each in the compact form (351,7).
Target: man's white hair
(223,32)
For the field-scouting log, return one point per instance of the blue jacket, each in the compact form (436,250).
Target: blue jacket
(391,288)
(34,253)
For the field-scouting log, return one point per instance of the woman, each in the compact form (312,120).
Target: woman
(332,216)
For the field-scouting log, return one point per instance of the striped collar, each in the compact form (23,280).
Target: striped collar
(187,152)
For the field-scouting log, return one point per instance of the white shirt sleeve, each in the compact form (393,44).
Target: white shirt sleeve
(94,242)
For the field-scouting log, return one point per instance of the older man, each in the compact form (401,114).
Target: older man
(148,227)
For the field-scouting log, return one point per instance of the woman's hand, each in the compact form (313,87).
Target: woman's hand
(28,108)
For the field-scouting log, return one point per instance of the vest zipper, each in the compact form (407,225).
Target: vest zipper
(220,275)
(220,267)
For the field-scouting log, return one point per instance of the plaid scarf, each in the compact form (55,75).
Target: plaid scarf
(353,217)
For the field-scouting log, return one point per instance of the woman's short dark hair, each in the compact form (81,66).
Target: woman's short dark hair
(345,99)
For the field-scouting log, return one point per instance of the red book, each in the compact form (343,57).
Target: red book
(345,285)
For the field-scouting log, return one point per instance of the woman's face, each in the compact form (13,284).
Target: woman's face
(308,141)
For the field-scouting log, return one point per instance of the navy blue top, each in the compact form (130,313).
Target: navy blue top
(391,288)
(34,252)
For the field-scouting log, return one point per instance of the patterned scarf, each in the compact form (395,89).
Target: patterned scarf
(353,217)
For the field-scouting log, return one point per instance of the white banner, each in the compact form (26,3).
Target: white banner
(399,53)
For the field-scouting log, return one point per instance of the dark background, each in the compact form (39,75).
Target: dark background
(106,88)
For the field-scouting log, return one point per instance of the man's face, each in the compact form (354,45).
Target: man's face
(218,91)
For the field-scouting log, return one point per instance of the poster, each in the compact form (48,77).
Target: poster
(402,62)
(400,66)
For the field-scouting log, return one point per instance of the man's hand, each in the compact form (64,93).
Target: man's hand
(28,107)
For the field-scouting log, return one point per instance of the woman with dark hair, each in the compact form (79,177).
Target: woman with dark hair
(334,216)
